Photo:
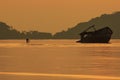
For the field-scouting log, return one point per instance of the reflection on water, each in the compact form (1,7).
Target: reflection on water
(61,75)
(59,59)
(55,43)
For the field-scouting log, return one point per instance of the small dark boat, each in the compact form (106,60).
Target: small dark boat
(97,36)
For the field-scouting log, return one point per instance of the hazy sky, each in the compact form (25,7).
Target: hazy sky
(53,15)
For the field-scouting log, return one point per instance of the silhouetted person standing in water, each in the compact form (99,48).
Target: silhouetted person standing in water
(27,40)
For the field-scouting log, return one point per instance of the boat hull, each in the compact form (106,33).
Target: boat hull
(99,36)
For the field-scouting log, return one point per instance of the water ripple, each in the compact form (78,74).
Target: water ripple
(61,75)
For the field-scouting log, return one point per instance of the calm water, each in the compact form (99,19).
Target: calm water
(59,60)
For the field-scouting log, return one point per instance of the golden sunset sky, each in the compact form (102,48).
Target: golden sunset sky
(53,15)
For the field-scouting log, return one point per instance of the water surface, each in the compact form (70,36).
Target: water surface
(59,60)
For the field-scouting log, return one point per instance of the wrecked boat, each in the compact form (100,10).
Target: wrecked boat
(102,35)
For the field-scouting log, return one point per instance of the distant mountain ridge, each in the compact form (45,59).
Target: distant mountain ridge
(110,20)
(7,32)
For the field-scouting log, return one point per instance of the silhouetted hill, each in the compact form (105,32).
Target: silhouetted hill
(7,32)
(110,20)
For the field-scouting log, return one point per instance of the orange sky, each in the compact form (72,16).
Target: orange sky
(53,15)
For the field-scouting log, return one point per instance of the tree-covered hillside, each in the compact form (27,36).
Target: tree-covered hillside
(110,20)
(7,32)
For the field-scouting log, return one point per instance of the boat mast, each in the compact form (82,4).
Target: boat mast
(93,26)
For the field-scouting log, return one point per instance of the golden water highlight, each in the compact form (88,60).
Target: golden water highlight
(61,75)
